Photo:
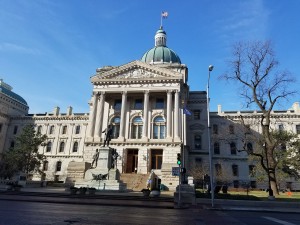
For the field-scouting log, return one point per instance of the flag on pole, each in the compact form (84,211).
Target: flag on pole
(164,15)
(186,111)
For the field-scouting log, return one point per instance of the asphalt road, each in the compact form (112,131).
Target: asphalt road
(39,213)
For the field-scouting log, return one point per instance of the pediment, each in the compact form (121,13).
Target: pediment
(133,71)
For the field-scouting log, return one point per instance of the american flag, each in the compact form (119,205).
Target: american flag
(164,15)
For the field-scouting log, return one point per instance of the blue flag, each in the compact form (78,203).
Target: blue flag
(186,111)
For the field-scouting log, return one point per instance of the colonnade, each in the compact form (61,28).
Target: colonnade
(97,111)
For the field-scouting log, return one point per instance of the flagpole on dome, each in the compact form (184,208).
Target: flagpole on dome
(164,15)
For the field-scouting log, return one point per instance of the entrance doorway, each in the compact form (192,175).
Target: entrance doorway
(132,160)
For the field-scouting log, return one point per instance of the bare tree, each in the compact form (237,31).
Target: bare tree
(254,67)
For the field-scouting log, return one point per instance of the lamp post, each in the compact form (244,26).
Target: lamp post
(210,68)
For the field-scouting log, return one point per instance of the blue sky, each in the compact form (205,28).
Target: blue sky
(49,49)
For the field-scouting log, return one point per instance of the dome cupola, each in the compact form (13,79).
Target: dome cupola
(160,54)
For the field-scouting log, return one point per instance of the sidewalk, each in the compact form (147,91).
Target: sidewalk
(166,200)
(254,206)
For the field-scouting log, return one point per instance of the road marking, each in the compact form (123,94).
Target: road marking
(278,221)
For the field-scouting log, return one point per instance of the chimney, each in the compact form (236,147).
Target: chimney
(296,107)
(219,109)
(56,111)
(69,111)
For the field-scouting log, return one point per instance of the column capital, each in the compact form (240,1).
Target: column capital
(146,92)
(169,91)
(124,92)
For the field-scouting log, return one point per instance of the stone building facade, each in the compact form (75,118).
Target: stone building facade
(145,102)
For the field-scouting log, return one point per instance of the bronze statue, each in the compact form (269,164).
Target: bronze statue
(95,158)
(108,135)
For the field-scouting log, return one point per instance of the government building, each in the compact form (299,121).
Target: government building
(145,102)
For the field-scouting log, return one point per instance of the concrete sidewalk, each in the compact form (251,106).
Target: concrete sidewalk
(166,200)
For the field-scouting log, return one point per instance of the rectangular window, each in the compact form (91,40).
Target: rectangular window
(160,103)
(118,104)
(196,114)
(39,129)
(198,141)
(298,129)
(215,129)
(0,127)
(235,170)
(233,148)
(217,148)
(138,104)
(15,129)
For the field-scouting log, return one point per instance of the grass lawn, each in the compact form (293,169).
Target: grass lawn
(252,195)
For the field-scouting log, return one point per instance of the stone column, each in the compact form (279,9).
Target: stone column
(176,115)
(93,115)
(146,108)
(169,113)
(99,117)
(123,115)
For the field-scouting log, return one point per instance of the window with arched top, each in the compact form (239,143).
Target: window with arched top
(159,127)
(62,146)
(39,129)
(75,146)
(137,128)
(49,146)
(115,123)
(51,130)
(77,129)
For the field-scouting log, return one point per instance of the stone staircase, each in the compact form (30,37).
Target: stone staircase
(134,182)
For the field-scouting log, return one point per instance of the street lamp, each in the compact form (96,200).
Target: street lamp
(210,68)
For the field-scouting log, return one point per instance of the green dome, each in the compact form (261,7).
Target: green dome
(160,53)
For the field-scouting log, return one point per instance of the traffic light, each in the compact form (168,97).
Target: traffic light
(183,170)
(178,159)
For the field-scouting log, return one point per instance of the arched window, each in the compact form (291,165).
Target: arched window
(159,128)
(39,129)
(64,129)
(77,130)
(115,127)
(51,130)
(75,146)
(58,166)
(137,128)
(62,146)
(217,148)
(49,146)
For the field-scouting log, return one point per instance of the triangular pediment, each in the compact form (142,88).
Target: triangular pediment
(133,71)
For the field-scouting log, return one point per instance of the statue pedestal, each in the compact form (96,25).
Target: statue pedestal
(102,177)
